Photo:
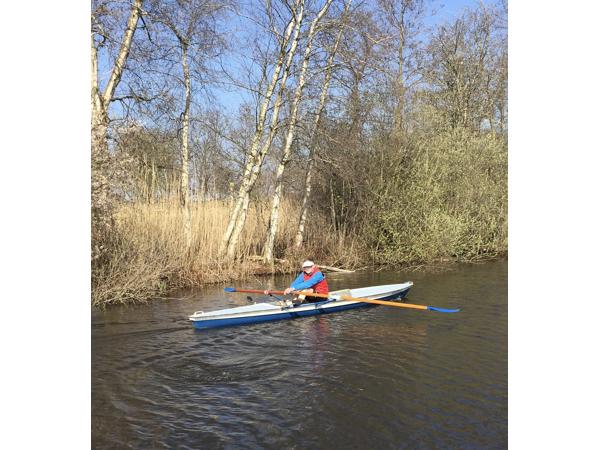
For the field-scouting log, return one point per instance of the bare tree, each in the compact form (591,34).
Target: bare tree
(299,238)
(257,152)
(100,100)
(258,133)
(361,52)
(353,118)
(150,154)
(461,68)
(191,22)
(287,147)
(404,18)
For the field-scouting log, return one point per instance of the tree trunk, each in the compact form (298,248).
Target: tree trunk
(333,218)
(287,148)
(102,209)
(225,247)
(258,159)
(299,238)
(400,86)
(102,217)
(185,151)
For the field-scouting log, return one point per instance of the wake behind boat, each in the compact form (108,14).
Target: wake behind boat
(269,311)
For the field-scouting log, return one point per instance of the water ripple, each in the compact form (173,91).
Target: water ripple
(369,378)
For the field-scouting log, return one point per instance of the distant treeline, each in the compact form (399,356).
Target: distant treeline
(361,135)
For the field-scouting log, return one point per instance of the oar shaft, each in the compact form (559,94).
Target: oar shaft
(341,297)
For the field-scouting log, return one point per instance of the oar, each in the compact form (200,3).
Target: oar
(354,299)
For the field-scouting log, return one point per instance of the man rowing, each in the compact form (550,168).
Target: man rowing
(310,280)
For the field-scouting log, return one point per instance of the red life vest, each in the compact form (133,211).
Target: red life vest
(321,287)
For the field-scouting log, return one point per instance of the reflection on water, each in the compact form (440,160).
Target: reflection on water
(374,377)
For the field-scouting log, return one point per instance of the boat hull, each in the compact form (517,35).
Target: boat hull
(256,313)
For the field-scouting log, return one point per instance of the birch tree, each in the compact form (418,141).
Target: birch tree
(191,23)
(274,218)
(257,151)
(100,102)
(299,237)
(258,133)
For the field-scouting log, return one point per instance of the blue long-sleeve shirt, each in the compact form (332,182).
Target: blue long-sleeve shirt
(300,284)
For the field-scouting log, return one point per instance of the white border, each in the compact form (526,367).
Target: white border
(46,232)
(553,224)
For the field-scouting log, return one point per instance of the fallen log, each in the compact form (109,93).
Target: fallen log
(284,261)
(334,269)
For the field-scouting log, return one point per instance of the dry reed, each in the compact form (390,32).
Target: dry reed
(149,255)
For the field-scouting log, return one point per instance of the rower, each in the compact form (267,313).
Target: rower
(312,280)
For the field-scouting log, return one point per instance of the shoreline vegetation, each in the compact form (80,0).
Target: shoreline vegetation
(429,222)
(368,134)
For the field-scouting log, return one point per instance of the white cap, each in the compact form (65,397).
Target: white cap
(308,263)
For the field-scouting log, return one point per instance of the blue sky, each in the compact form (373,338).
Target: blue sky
(447,11)
(231,99)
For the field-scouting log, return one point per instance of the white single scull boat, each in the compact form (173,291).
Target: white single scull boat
(268,311)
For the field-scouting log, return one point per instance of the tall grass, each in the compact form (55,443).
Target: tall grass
(148,255)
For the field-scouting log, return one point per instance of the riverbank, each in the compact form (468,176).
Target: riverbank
(148,258)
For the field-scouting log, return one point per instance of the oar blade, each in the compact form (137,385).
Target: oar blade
(443,310)
(229,289)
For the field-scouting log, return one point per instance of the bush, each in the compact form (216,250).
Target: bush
(445,195)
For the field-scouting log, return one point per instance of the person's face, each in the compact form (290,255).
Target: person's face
(308,270)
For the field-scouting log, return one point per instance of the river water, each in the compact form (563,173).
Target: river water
(370,378)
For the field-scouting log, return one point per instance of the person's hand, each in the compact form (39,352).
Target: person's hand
(267,292)
(288,291)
